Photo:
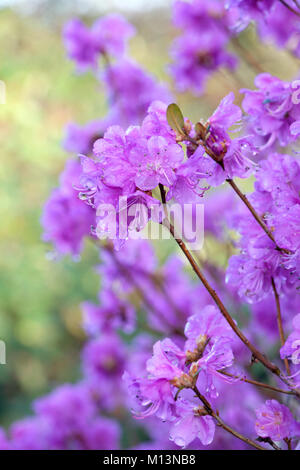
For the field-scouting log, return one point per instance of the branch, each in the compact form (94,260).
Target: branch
(279,322)
(238,192)
(289,7)
(274,369)
(253,212)
(257,384)
(256,353)
(223,425)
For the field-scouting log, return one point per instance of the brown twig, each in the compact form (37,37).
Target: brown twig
(288,443)
(274,369)
(279,323)
(236,189)
(255,352)
(223,425)
(289,7)
(257,384)
(258,219)
(268,440)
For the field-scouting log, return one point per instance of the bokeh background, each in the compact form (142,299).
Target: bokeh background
(40,317)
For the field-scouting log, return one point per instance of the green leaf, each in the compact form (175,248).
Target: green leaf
(175,119)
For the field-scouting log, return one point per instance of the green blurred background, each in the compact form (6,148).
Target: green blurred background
(40,318)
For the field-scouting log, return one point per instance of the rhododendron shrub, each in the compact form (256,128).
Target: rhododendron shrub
(203,359)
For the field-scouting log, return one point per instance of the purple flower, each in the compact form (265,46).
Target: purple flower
(102,434)
(234,153)
(275,20)
(67,408)
(137,255)
(157,164)
(130,91)
(137,208)
(275,421)
(127,166)
(104,359)
(111,313)
(31,434)
(287,228)
(128,218)
(112,152)
(271,111)
(251,277)
(291,347)
(156,392)
(190,424)
(263,318)
(201,48)
(209,343)
(107,36)
(198,14)
(276,198)
(80,45)
(80,139)
(155,123)
(205,327)
(39,433)
(192,177)
(228,157)
(111,34)
(64,420)
(66,219)
(196,55)
(254,7)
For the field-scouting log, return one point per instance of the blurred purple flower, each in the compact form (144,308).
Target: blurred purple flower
(275,421)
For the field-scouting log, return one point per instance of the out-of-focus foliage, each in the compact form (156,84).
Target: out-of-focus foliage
(39,300)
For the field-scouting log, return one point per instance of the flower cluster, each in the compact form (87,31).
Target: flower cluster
(276,198)
(129,165)
(71,416)
(108,36)
(129,88)
(201,48)
(275,20)
(273,112)
(66,220)
(65,419)
(171,370)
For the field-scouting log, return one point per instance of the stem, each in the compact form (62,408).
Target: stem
(257,384)
(255,352)
(274,369)
(223,425)
(238,192)
(288,443)
(289,7)
(268,440)
(258,219)
(280,327)
(275,446)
